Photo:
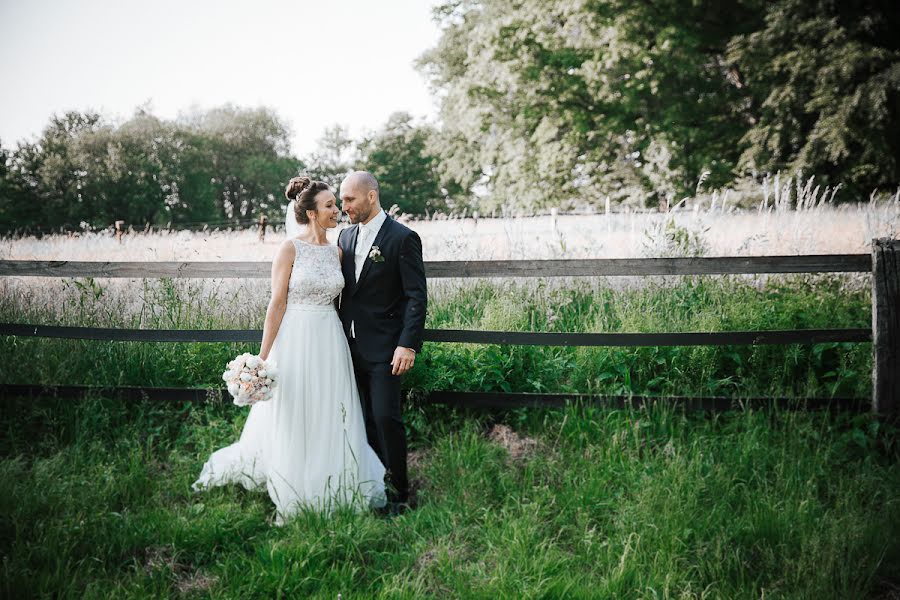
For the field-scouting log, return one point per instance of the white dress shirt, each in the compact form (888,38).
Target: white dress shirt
(366,236)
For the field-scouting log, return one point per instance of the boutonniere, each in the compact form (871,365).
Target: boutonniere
(375,254)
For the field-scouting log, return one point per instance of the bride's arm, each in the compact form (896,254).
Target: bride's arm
(281,275)
(337,301)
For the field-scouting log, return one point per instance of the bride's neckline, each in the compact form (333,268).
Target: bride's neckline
(311,244)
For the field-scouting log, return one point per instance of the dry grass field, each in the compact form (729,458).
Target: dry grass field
(823,229)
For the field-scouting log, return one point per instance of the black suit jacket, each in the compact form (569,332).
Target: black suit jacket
(388,304)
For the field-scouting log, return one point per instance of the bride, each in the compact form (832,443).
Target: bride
(307,444)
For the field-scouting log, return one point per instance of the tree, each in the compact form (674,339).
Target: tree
(824,85)
(50,175)
(407,172)
(205,167)
(249,154)
(15,210)
(561,99)
(333,158)
(575,99)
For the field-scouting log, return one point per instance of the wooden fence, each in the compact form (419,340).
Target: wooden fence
(883,263)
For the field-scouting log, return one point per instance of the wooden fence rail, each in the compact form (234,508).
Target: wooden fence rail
(608,267)
(883,263)
(519,338)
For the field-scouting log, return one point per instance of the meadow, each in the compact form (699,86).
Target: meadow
(531,503)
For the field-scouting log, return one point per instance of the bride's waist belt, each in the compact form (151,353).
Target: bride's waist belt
(312,307)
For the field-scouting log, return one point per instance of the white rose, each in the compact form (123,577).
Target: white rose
(233,388)
(246,377)
(253,362)
(262,372)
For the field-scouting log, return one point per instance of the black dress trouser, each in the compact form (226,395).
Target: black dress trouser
(379,393)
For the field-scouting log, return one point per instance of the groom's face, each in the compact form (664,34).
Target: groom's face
(357,201)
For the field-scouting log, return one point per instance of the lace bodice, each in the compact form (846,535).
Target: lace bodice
(316,276)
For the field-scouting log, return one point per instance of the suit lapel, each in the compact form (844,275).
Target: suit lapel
(352,247)
(350,255)
(368,261)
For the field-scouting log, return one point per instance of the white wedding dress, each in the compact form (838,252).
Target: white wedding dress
(307,444)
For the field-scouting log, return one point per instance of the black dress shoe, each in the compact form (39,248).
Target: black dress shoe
(392,509)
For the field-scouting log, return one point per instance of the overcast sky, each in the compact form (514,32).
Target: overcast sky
(314,63)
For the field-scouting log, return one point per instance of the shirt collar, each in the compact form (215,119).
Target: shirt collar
(375,224)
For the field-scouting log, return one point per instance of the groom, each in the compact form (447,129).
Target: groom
(383,313)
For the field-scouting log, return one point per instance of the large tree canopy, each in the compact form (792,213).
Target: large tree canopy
(823,84)
(570,99)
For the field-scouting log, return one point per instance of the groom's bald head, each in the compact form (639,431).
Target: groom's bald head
(360,196)
(364,180)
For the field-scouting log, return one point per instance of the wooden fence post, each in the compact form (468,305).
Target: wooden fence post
(886,325)
(263,222)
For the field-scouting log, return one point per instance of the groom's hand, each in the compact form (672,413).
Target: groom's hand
(403,360)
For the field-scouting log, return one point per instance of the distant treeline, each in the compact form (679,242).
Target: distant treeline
(223,165)
(542,103)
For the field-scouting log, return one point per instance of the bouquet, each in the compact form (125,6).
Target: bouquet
(250,379)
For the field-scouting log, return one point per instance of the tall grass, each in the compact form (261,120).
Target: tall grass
(685,304)
(606,504)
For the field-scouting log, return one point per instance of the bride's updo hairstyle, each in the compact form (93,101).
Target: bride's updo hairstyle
(303,191)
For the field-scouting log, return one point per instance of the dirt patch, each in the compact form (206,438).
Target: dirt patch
(415,459)
(445,548)
(155,558)
(195,582)
(187,580)
(517,446)
(426,559)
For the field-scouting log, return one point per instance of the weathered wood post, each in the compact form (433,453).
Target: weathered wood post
(120,224)
(263,222)
(886,325)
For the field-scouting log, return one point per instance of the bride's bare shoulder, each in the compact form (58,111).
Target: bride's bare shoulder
(286,252)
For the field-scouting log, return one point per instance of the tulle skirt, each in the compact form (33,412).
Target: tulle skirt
(307,444)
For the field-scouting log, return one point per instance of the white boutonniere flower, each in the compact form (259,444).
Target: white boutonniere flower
(375,254)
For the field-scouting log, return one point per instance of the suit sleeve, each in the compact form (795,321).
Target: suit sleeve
(412,279)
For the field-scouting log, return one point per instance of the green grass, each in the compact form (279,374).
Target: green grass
(688,304)
(610,504)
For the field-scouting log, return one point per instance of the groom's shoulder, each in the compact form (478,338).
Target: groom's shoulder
(402,230)
(345,230)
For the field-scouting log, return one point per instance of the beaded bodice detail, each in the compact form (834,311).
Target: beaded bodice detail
(316,276)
